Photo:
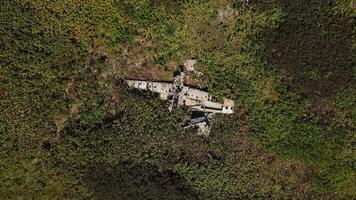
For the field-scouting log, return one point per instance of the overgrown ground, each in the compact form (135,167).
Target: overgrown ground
(70,129)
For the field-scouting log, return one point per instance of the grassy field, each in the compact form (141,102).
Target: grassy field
(70,129)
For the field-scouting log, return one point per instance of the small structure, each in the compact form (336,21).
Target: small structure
(189,65)
(189,97)
(179,95)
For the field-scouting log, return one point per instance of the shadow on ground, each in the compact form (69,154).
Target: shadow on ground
(128,181)
(313,48)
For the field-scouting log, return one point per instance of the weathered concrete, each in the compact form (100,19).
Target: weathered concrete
(179,95)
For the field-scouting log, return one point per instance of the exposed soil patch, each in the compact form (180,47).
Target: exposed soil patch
(140,64)
(312,48)
(149,72)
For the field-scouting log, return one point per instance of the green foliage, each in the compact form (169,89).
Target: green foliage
(130,181)
(70,130)
(345,103)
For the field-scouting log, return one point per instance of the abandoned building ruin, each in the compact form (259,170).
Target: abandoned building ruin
(179,95)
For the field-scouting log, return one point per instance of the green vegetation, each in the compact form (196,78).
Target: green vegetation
(70,129)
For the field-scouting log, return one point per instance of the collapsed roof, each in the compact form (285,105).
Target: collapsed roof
(179,95)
